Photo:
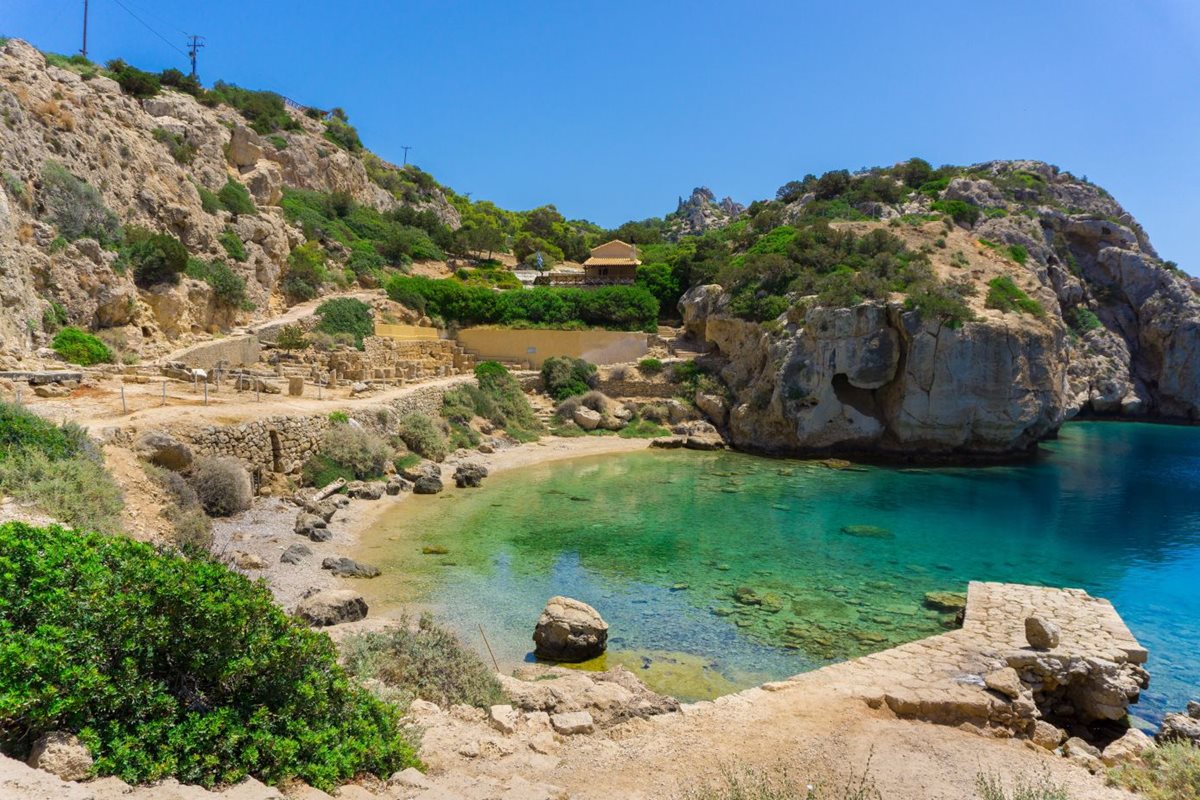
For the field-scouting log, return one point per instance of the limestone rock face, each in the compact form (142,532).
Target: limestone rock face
(1181,727)
(332,607)
(61,754)
(610,697)
(1129,747)
(874,377)
(164,450)
(569,630)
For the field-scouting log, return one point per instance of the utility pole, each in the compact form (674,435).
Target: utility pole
(83,52)
(405,148)
(194,44)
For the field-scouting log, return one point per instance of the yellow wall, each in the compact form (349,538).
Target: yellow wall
(406,333)
(535,346)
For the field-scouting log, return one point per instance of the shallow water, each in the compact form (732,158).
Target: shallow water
(834,564)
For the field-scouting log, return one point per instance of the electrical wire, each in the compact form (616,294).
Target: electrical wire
(149,28)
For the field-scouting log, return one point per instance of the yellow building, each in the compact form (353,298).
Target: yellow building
(612,262)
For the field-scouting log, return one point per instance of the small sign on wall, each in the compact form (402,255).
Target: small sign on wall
(530,350)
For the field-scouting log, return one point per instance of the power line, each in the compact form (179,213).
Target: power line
(149,28)
(194,44)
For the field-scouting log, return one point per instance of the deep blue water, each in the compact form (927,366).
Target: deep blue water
(660,540)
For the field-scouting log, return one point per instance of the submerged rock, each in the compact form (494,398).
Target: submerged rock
(867,531)
(1181,727)
(569,630)
(470,475)
(946,602)
(344,567)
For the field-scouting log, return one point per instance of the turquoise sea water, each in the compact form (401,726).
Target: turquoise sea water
(663,543)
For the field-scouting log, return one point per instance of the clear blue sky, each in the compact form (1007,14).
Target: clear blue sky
(612,109)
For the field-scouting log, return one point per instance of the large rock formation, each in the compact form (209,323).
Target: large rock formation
(701,212)
(569,630)
(1120,336)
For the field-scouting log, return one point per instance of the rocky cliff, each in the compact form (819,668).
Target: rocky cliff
(122,147)
(1120,335)
(701,212)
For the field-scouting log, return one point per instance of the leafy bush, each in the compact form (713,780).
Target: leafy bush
(343,134)
(960,210)
(80,347)
(1169,772)
(1083,319)
(1018,253)
(291,337)
(942,301)
(236,199)
(346,315)
(181,150)
(1005,296)
(228,287)
(364,455)
(427,662)
(234,247)
(421,435)
(563,376)
(306,272)
(54,317)
(222,484)
(57,470)
(209,201)
(618,307)
(264,111)
(170,667)
(155,257)
(133,81)
(650,366)
(75,207)
(497,397)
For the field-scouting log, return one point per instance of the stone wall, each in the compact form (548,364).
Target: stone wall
(281,444)
(232,352)
(388,359)
(536,345)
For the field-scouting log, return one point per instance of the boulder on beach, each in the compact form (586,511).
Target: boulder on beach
(343,567)
(332,607)
(469,475)
(569,630)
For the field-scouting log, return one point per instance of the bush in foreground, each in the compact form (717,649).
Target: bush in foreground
(1169,772)
(425,662)
(421,435)
(166,667)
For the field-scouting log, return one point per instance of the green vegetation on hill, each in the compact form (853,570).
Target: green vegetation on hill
(614,307)
(80,347)
(1004,295)
(346,315)
(496,397)
(174,667)
(76,208)
(58,470)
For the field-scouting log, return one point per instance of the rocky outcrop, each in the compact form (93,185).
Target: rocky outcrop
(876,378)
(1181,727)
(569,630)
(608,697)
(701,212)
(332,607)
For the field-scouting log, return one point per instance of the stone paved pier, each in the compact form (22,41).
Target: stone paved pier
(986,676)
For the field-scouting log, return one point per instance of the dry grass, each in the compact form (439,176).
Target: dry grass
(53,115)
(1169,772)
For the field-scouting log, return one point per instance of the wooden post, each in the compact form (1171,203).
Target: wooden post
(257,393)
(164,394)
(206,393)
(124,408)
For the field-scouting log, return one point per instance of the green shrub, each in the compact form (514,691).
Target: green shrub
(1004,295)
(643,429)
(1169,772)
(133,81)
(343,134)
(234,247)
(170,667)
(184,83)
(421,435)
(209,201)
(306,272)
(497,397)
(264,111)
(563,376)
(279,142)
(960,210)
(228,287)
(236,198)
(991,787)
(319,471)
(363,454)
(181,150)
(80,347)
(54,317)
(291,337)
(222,485)
(1018,253)
(346,315)
(75,207)
(650,366)
(155,257)
(1082,320)
(339,417)
(426,662)
(941,301)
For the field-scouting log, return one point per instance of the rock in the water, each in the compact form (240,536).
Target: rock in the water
(427,484)
(295,554)
(1181,727)
(332,607)
(344,567)
(1129,747)
(587,419)
(572,722)
(396,485)
(469,475)
(1042,634)
(948,602)
(569,630)
(164,450)
(867,531)
(669,442)
(62,754)
(704,443)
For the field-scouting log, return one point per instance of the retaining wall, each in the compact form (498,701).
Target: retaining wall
(235,351)
(536,345)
